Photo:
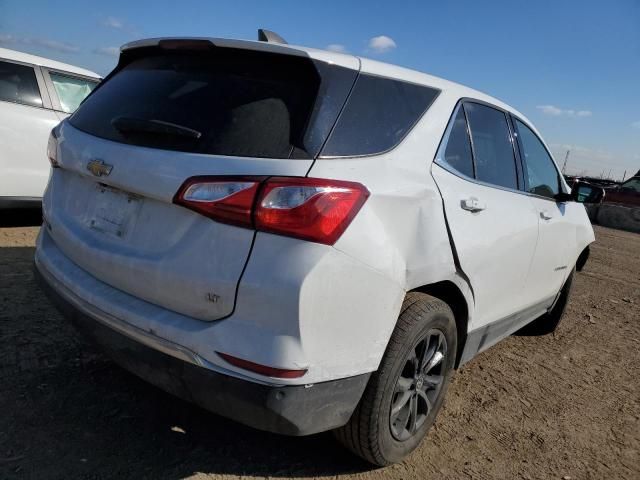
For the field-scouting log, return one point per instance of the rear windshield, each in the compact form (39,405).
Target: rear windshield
(252,104)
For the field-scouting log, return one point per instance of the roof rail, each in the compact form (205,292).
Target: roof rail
(270,37)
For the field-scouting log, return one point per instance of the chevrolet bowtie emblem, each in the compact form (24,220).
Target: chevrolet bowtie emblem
(99,168)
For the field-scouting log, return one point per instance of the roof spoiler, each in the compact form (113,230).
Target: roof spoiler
(270,37)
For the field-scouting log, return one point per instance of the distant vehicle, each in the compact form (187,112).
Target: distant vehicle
(35,95)
(598,182)
(627,193)
(304,240)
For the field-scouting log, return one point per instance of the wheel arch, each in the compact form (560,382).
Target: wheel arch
(450,293)
(582,258)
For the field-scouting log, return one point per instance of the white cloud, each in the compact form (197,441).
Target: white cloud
(336,47)
(557,112)
(382,44)
(636,124)
(108,51)
(113,22)
(7,39)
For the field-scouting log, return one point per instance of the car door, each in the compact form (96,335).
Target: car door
(493,225)
(556,234)
(26,119)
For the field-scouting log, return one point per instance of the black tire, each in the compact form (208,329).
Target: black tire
(548,322)
(374,432)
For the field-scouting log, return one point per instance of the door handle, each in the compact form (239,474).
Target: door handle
(472,204)
(545,215)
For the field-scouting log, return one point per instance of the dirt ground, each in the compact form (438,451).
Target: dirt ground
(561,406)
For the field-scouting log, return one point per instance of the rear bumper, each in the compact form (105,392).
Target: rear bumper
(289,410)
(7,203)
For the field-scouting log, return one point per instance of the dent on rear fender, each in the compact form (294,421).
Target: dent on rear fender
(402,234)
(333,312)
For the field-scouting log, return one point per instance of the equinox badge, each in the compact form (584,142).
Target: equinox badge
(99,168)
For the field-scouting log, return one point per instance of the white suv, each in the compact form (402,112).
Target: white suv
(303,240)
(35,94)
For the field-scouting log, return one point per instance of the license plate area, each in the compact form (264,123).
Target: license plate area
(113,212)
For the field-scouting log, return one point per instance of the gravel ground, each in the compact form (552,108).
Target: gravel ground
(561,406)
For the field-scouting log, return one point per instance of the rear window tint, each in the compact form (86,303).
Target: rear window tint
(228,101)
(379,113)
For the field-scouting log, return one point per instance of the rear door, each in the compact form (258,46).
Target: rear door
(556,238)
(124,154)
(26,119)
(493,225)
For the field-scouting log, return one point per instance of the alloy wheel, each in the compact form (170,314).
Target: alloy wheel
(418,385)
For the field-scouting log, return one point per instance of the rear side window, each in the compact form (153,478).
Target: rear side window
(457,153)
(542,176)
(18,84)
(222,102)
(71,90)
(379,113)
(492,147)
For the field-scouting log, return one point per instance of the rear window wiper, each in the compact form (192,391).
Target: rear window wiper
(142,125)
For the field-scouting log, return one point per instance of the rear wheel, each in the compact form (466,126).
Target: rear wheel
(403,397)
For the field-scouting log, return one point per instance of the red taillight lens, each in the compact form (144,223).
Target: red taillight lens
(224,199)
(308,208)
(262,369)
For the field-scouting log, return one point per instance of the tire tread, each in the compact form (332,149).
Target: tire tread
(360,434)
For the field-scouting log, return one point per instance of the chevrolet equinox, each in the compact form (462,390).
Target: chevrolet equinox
(303,240)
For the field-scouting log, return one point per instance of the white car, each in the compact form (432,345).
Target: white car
(35,94)
(303,240)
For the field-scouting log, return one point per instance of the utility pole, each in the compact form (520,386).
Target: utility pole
(624,175)
(566,158)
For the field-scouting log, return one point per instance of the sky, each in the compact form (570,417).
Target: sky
(571,66)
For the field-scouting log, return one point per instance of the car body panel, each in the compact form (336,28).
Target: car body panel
(159,251)
(495,246)
(25,129)
(24,132)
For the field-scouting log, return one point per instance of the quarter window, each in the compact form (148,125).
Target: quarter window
(457,152)
(18,84)
(71,91)
(377,116)
(492,147)
(542,174)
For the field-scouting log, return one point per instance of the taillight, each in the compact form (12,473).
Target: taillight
(224,199)
(52,149)
(307,208)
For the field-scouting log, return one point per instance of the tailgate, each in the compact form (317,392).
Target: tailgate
(124,229)
(168,112)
